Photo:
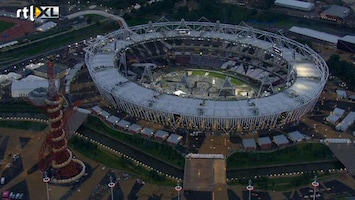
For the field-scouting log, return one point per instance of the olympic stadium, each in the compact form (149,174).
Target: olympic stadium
(201,75)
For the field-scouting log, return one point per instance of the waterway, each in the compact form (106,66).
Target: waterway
(176,172)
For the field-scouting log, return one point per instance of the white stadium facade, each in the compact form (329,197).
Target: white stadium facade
(287,77)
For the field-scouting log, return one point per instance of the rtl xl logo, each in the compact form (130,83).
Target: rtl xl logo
(38,12)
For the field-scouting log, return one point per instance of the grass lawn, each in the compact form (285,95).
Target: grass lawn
(107,158)
(159,150)
(5,25)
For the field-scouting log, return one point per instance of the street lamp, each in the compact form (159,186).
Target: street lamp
(250,187)
(178,188)
(111,185)
(46,180)
(315,184)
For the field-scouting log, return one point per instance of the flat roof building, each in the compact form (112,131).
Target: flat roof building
(161,135)
(134,128)
(335,13)
(294,4)
(280,140)
(346,122)
(265,143)
(295,136)
(46,26)
(322,36)
(104,114)
(347,43)
(249,144)
(148,132)
(60,71)
(113,119)
(174,139)
(97,109)
(123,124)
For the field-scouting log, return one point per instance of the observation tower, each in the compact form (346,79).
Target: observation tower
(55,157)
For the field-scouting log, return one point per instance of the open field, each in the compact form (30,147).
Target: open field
(5,25)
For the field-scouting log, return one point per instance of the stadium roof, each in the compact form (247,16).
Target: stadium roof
(337,11)
(112,80)
(311,77)
(315,34)
(299,5)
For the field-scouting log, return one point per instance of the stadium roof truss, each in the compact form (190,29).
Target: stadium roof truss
(106,55)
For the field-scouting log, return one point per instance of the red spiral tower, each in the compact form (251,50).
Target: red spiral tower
(55,157)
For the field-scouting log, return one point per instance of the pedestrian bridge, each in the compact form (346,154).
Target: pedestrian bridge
(119,19)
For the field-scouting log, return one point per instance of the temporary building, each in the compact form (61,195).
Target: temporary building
(161,135)
(265,143)
(134,128)
(280,140)
(174,139)
(96,109)
(249,144)
(113,119)
(104,114)
(46,26)
(148,132)
(123,124)
(346,122)
(341,93)
(295,136)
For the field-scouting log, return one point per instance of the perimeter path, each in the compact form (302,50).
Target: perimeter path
(119,19)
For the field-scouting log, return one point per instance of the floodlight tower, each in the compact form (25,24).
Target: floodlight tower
(250,188)
(315,184)
(55,158)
